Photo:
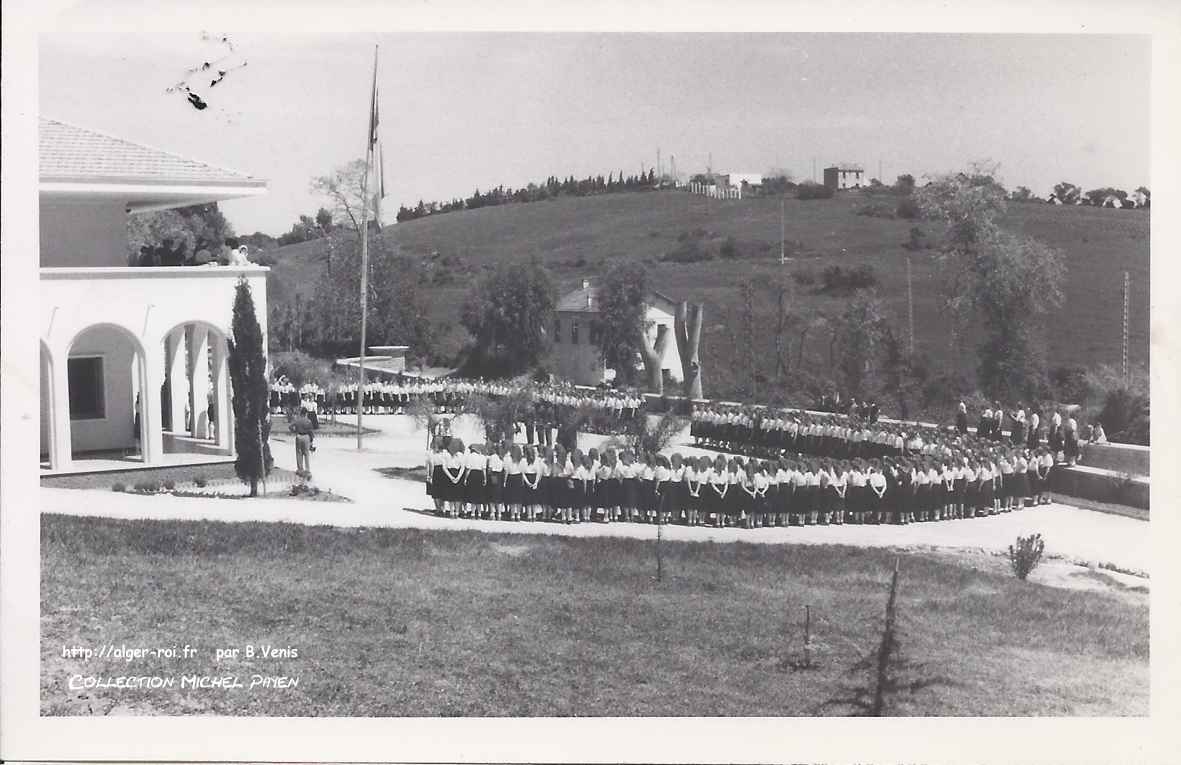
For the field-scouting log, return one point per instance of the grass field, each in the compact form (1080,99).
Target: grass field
(413,622)
(575,237)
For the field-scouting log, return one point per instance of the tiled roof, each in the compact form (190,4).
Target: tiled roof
(75,154)
(577,300)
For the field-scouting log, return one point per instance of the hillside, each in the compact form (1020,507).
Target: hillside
(577,237)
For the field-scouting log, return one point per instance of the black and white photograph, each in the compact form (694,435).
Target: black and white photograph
(391,369)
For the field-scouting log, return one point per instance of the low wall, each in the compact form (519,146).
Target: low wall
(1101,485)
(1119,458)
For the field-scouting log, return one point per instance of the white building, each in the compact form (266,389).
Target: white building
(735,180)
(133,359)
(575,352)
(840,177)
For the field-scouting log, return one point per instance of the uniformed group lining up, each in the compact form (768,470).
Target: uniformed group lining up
(768,432)
(446,395)
(514,482)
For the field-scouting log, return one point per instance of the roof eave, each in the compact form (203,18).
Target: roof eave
(143,197)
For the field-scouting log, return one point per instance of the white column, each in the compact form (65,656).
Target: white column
(61,449)
(151,375)
(199,381)
(221,393)
(178,383)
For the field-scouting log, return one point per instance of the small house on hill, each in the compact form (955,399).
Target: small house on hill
(840,177)
(575,349)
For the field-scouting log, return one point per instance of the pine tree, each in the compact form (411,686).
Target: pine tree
(248,378)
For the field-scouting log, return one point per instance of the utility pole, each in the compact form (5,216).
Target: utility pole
(880,178)
(782,233)
(659,167)
(813,169)
(1127,292)
(909,308)
(672,160)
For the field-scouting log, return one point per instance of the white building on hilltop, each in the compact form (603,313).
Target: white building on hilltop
(840,177)
(133,359)
(575,350)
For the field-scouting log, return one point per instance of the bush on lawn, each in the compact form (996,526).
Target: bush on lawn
(1026,556)
(813,191)
(907,208)
(200,481)
(147,487)
(876,209)
(118,486)
(169,484)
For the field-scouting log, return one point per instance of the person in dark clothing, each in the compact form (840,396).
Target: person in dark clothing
(301,426)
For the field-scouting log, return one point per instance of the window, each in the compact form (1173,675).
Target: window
(87,399)
(557,330)
(574,332)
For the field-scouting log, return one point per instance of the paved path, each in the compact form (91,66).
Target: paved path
(381,500)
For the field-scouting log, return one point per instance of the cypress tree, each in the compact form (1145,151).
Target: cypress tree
(248,378)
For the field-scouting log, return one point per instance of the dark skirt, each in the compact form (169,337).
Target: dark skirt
(557,491)
(1033,482)
(647,497)
(436,487)
(530,495)
(474,489)
(631,493)
(615,493)
(984,494)
(496,486)
(514,489)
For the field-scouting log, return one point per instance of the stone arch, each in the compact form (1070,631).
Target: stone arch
(121,426)
(194,391)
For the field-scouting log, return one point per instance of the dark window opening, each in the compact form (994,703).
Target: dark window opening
(87,401)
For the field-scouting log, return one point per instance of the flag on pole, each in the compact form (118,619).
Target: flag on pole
(379,194)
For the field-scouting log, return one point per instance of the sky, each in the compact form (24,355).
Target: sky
(464,110)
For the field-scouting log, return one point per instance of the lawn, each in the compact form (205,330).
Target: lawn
(576,237)
(410,622)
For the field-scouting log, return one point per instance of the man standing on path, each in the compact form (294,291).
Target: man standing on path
(301,426)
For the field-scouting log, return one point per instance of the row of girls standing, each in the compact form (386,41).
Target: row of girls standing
(514,482)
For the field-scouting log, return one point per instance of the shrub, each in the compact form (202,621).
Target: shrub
(907,208)
(876,209)
(147,487)
(836,280)
(689,251)
(813,191)
(200,480)
(118,486)
(1026,556)
(169,484)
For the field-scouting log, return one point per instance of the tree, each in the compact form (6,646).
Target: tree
(687,328)
(324,219)
(507,313)
(620,324)
(1008,283)
(344,188)
(1145,196)
(1096,197)
(397,312)
(173,237)
(1021,194)
(860,335)
(904,183)
(248,379)
(1067,192)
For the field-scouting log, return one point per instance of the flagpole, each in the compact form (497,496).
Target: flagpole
(365,245)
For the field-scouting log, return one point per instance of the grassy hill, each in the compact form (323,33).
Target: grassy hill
(578,238)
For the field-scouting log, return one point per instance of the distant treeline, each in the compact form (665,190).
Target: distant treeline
(551,188)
